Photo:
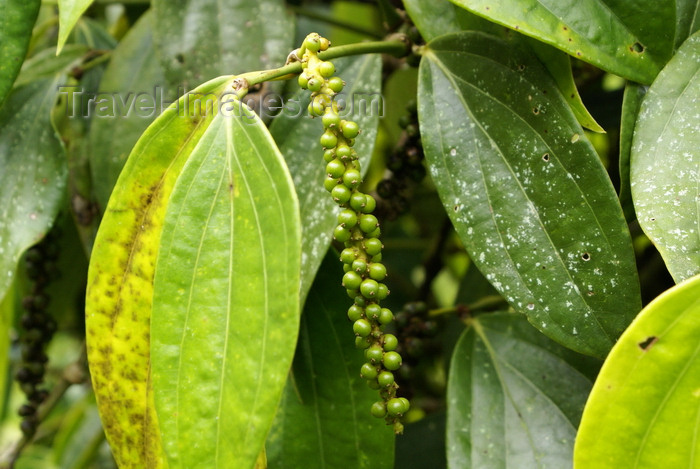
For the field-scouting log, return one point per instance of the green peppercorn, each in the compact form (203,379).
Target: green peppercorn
(395,407)
(368,223)
(373,311)
(328,155)
(370,204)
(352,178)
(378,409)
(390,342)
(382,292)
(303,80)
(360,301)
(385,379)
(362,342)
(373,246)
(324,43)
(391,360)
(343,151)
(326,69)
(375,234)
(312,43)
(347,218)
(335,168)
(358,201)
(316,107)
(368,371)
(374,354)
(363,328)
(355,313)
(341,194)
(376,258)
(350,129)
(329,183)
(330,119)
(406,404)
(385,316)
(328,139)
(377,271)
(336,84)
(368,288)
(348,255)
(359,266)
(341,234)
(351,280)
(314,84)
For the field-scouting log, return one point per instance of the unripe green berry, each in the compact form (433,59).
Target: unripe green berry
(406,404)
(341,194)
(343,151)
(382,292)
(336,84)
(385,316)
(377,271)
(362,342)
(352,178)
(368,288)
(375,234)
(391,360)
(326,69)
(348,255)
(373,384)
(390,342)
(335,168)
(303,80)
(328,139)
(359,266)
(368,371)
(354,313)
(314,84)
(373,246)
(363,328)
(350,129)
(328,155)
(377,258)
(330,119)
(346,268)
(358,201)
(312,43)
(324,43)
(316,107)
(370,204)
(373,311)
(374,354)
(395,407)
(360,301)
(341,234)
(351,280)
(378,409)
(329,183)
(368,223)
(385,379)
(347,218)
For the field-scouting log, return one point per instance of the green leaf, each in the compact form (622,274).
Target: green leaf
(7,315)
(422,445)
(69,12)
(226,296)
(33,172)
(17,19)
(664,163)
(46,63)
(514,397)
(120,280)
(687,20)
(520,183)
(435,18)
(631,101)
(201,39)
(644,408)
(624,38)
(297,136)
(133,74)
(324,419)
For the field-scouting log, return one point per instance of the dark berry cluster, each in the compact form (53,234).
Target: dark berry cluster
(38,328)
(406,166)
(415,331)
(358,229)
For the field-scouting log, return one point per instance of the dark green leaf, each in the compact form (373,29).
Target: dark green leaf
(665,162)
(93,34)
(201,39)
(297,136)
(643,410)
(631,102)
(514,397)
(324,420)
(422,445)
(630,40)
(47,64)
(33,172)
(134,77)
(526,191)
(226,296)
(69,12)
(687,20)
(17,19)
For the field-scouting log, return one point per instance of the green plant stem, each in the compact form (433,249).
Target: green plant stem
(399,46)
(315,15)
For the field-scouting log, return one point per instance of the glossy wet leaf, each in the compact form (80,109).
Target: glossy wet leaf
(298,138)
(201,39)
(687,20)
(17,19)
(226,296)
(525,190)
(120,282)
(435,18)
(134,79)
(644,409)
(33,176)
(69,12)
(631,101)
(514,397)
(323,420)
(629,39)
(665,162)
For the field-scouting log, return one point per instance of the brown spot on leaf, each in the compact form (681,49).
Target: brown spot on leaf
(648,343)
